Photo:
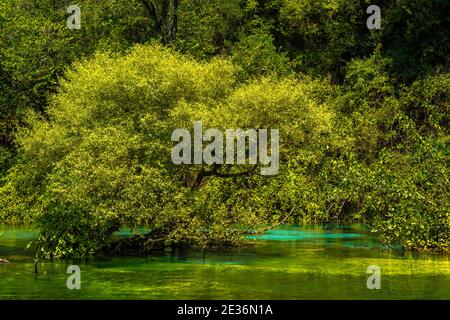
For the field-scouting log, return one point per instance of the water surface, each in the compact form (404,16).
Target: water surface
(291,262)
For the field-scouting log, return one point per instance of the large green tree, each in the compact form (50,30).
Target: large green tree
(102,160)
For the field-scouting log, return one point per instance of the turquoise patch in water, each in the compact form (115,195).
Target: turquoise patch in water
(293,235)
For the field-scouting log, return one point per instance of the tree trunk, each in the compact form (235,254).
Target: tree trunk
(166,17)
(169,20)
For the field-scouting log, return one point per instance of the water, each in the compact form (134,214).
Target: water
(291,262)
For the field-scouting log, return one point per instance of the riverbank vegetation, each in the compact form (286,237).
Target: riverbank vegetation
(87,116)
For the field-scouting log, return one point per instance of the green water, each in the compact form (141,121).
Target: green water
(291,262)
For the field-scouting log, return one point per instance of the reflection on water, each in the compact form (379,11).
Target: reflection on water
(292,262)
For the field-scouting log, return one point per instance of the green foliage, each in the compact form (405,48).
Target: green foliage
(86,119)
(208,27)
(427,103)
(257,56)
(408,198)
(415,36)
(323,35)
(36,47)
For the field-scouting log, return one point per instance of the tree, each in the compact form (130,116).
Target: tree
(102,160)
